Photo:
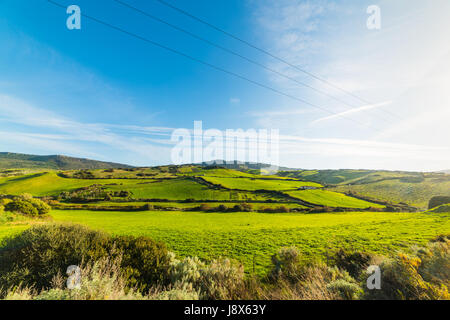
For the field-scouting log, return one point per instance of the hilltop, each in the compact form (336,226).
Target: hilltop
(57,162)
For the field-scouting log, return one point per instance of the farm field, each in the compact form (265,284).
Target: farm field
(416,194)
(256,236)
(48,183)
(260,184)
(331,199)
(213,213)
(250,237)
(181,189)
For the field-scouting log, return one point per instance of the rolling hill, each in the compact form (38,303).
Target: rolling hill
(57,162)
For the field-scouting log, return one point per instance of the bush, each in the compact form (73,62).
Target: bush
(286,263)
(352,262)
(22,206)
(26,204)
(144,261)
(315,281)
(222,208)
(148,207)
(34,257)
(401,280)
(238,208)
(220,280)
(279,209)
(346,290)
(435,266)
(204,207)
(438,201)
(42,207)
(100,280)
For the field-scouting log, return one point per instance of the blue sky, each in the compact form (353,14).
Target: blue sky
(101,94)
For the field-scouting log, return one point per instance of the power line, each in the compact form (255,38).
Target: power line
(154,43)
(191,34)
(272,55)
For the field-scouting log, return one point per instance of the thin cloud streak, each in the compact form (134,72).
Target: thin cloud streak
(352,111)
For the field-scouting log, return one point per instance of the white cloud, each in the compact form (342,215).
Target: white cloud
(352,111)
(52,133)
(406,64)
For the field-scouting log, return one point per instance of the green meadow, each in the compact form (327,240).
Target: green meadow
(250,237)
(48,184)
(260,184)
(397,190)
(181,189)
(331,199)
(254,237)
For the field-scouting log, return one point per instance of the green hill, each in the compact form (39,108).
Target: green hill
(57,162)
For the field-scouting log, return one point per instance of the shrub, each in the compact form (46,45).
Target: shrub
(238,208)
(438,201)
(286,263)
(42,207)
(310,283)
(435,266)
(144,261)
(346,290)
(204,207)
(282,209)
(26,204)
(34,257)
(25,197)
(100,280)
(352,262)
(220,280)
(148,207)
(222,208)
(401,280)
(176,294)
(22,206)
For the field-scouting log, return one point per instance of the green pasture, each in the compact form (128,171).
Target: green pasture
(260,184)
(48,183)
(181,189)
(413,193)
(331,199)
(254,237)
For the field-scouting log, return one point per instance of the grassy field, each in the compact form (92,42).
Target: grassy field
(48,183)
(331,199)
(181,189)
(416,194)
(254,237)
(260,184)
(248,237)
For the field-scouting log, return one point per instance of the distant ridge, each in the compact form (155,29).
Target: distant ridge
(58,162)
(239,165)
